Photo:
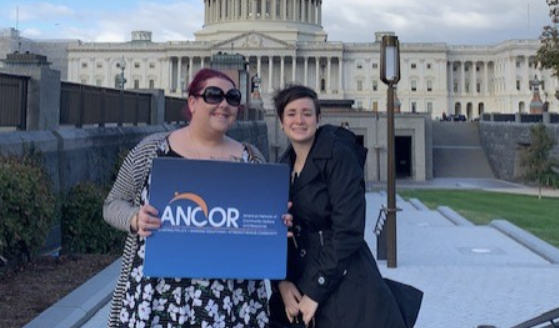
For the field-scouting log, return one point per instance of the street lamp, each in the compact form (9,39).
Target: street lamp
(390,75)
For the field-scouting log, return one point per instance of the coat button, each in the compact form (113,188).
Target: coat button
(321,280)
(303,253)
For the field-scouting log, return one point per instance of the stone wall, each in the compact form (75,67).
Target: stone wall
(74,155)
(503,141)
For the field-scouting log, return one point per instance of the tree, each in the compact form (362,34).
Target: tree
(548,53)
(537,160)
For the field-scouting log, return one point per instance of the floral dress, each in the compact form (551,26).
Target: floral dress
(204,303)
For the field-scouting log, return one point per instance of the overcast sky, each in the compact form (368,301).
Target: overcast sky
(452,21)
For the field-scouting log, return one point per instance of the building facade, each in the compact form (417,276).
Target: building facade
(283,41)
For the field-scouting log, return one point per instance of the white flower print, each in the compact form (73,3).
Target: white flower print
(238,296)
(129,301)
(137,273)
(201,282)
(217,288)
(205,324)
(254,306)
(155,323)
(244,313)
(227,304)
(124,316)
(148,292)
(140,324)
(144,310)
(162,286)
(142,251)
(262,319)
(212,308)
(177,295)
(251,286)
(159,304)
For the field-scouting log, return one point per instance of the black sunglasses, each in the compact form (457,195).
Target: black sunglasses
(214,95)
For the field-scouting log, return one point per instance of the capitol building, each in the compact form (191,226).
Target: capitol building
(283,41)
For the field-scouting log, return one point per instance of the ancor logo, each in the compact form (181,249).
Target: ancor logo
(199,216)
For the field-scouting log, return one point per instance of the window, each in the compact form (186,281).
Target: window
(84,65)
(322,85)
(136,84)
(467,86)
(478,87)
(151,65)
(542,86)
(359,104)
(99,65)
(517,64)
(413,107)
(413,85)
(359,85)
(136,65)
(429,107)
(413,66)
(518,85)
(455,86)
(375,85)
(375,106)
(99,82)
(151,84)
(375,66)
(466,68)
(429,86)
(477,68)
(428,65)
(359,66)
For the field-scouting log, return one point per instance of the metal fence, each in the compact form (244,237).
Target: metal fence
(13,100)
(89,105)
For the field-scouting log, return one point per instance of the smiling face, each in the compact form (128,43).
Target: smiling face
(300,121)
(217,117)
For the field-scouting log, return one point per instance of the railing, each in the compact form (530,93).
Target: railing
(381,237)
(551,317)
(13,100)
(175,110)
(85,105)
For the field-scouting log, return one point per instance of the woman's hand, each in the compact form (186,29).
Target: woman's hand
(291,296)
(308,307)
(148,220)
(288,219)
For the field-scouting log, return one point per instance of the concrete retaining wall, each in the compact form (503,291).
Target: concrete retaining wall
(501,144)
(74,155)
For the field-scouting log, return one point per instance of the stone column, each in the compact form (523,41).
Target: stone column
(282,71)
(283,8)
(273,11)
(293,68)
(317,59)
(486,78)
(170,79)
(190,69)
(306,78)
(179,75)
(463,78)
(270,73)
(329,75)
(340,74)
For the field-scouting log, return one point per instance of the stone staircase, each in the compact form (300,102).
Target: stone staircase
(457,151)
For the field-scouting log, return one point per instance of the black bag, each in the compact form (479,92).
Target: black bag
(408,298)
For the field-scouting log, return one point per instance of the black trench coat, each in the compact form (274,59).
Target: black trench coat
(329,260)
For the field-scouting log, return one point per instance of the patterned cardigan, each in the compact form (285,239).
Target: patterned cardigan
(123,202)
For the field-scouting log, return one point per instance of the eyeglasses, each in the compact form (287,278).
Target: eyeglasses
(214,95)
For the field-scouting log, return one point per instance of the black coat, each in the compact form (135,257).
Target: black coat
(330,261)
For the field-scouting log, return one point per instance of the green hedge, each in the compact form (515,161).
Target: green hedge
(27,207)
(83,228)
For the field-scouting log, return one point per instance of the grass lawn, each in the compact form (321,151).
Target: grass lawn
(540,217)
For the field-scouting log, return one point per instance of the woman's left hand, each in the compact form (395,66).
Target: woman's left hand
(288,219)
(308,307)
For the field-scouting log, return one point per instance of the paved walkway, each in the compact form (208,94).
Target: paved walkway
(471,275)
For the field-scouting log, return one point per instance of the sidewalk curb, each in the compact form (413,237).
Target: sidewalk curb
(538,246)
(80,305)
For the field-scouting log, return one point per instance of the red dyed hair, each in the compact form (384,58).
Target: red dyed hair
(198,84)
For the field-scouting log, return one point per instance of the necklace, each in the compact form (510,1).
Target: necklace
(197,152)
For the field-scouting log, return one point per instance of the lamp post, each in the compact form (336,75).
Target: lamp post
(390,75)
